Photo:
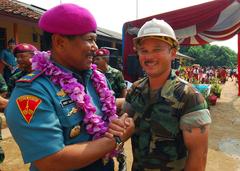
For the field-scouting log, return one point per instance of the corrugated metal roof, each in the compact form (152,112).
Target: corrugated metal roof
(109,33)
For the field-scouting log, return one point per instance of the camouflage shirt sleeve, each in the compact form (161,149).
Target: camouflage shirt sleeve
(194,112)
(122,83)
(3,85)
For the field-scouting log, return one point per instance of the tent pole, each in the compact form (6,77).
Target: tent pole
(238,64)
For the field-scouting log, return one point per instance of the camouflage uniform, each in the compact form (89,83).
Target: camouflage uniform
(12,81)
(160,116)
(3,85)
(3,89)
(116,80)
(2,155)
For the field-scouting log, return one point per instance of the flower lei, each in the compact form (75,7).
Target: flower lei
(95,125)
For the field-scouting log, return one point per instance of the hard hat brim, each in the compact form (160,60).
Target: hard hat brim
(174,43)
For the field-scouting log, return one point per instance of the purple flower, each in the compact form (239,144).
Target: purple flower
(95,125)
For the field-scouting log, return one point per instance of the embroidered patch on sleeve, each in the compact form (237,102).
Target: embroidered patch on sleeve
(27,104)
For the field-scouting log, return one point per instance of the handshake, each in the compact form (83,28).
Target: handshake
(122,127)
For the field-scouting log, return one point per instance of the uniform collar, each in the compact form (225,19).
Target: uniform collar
(109,68)
(169,86)
(166,91)
(82,76)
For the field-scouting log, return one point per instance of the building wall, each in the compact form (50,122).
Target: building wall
(4,23)
(21,30)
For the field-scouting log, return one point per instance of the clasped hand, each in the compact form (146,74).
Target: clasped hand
(122,127)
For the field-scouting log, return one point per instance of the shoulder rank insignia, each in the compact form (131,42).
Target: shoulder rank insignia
(30,77)
(27,105)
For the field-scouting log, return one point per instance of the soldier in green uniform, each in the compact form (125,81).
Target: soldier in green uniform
(3,86)
(23,53)
(171,117)
(3,104)
(114,76)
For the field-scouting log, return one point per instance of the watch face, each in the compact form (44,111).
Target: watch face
(118,140)
(119,143)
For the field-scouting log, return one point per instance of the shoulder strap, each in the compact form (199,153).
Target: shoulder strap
(30,77)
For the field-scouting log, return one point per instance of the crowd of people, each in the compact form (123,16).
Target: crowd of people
(205,75)
(68,109)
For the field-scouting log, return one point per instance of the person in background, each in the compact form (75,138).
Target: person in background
(3,105)
(23,53)
(118,85)
(63,114)
(114,76)
(2,154)
(8,60)
(3,86)
(171,117)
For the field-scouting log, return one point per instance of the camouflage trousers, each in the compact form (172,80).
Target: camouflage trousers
(122,164)
(2,156)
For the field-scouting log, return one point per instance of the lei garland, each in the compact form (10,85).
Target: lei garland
(95,125)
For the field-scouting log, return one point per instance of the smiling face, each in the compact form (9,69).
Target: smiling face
(76,52)
(23,60)
(100,61)
(155,56)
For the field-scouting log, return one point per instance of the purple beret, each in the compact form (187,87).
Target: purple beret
(102,52)
(68,19)
(24,47)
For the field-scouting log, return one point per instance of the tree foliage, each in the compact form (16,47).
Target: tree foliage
(211,55)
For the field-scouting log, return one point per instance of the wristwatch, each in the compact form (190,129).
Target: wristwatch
(119,143)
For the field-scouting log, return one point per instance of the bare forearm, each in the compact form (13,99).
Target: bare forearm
(119,104)
(196,141)
(196,161)
(77,156)
(124,93)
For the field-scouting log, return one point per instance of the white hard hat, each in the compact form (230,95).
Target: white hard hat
(159,29)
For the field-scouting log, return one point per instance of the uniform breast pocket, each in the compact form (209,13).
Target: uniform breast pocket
(71,119)
(69,114)
(163,123)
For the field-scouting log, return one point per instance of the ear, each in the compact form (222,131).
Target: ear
(58,42)
(173,53)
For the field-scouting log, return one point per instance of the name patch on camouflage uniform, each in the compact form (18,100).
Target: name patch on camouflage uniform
(27,105)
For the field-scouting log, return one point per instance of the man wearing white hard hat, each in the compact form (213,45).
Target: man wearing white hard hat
(171,117)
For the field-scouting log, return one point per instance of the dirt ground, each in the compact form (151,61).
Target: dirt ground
(224,138)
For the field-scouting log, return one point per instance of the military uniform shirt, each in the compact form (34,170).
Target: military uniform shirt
(160,116)
(12,81)
(3,85)
(54,123)
(116,80)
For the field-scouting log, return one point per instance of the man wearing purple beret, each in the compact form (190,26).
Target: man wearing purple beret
(63,114)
